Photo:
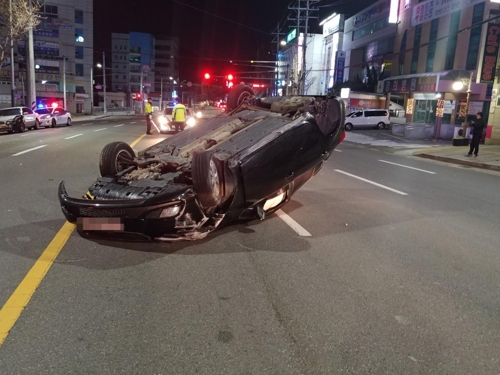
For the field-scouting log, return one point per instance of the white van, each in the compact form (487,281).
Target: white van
(368,118)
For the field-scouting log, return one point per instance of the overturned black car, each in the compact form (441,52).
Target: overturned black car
(243,164)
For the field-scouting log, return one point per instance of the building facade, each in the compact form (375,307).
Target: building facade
(141,58)
(63,49)
(439,44)
(369,43)
(333,57)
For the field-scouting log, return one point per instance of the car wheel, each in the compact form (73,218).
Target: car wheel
(21,126)
(54,123)
(37,125)
(380,125)
(68,123)
(114,157)
(348,126)
(238,95)
(207,179)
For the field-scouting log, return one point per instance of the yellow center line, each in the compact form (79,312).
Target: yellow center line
(15,305)
(11,311)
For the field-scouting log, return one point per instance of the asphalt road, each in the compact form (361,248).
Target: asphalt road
(400,273)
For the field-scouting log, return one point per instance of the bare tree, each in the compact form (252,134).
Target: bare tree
(13,28)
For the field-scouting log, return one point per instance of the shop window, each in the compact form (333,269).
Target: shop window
(79,70)
(78,52)
(80,89)
(451,46)
(431,48)
(78,16)
(475,37)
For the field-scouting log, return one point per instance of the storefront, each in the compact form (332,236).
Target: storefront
(430,98)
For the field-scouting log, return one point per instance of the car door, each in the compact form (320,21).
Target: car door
(356,119)
(58,116)
(368,119)
(29,116)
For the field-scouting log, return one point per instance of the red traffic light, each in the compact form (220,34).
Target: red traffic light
(207,76)
(230,77)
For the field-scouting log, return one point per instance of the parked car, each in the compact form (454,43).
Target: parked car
(18,119)
(246,163)
(53,117)
(368,118)
(165,120)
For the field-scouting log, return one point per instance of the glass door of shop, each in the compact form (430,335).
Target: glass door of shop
(425,111)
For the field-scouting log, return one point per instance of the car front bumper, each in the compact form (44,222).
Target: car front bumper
(137,219)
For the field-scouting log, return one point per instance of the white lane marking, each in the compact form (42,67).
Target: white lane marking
(133,122)
(405,166)
(98,130)
(74,136)
(25,135)
(31,149)
(337,150)
(293,224)
(105,121)
(371,182)
(86,124)
(116,126)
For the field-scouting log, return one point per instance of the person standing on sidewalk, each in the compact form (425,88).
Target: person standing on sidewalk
(477,133)
(149,114)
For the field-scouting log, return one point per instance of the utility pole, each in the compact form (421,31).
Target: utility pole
(303,15)
(30,69)
(277,38)
(91,90)
(12,73)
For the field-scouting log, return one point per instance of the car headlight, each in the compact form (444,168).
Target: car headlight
(191,122)
(170,211)
(162,120)
(199,114)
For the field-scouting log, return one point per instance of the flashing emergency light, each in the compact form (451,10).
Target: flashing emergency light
(206,75)
(230,77)
(54,105)
(40,106)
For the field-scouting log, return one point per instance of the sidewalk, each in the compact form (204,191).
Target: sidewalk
(488,158)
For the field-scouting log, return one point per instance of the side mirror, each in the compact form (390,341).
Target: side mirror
(25,113)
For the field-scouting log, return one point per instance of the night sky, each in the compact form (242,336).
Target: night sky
(211,32)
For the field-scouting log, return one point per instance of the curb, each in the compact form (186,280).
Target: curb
(461,162)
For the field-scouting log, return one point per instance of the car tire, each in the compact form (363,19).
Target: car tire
(381,125)
(21,126)
(348,126)
(37,125)
(54,123)
(237,95)
(68,122)
(109,164)
(207,179)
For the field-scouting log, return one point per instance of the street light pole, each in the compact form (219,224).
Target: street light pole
(104,80)
(141,94)
(91,90)
(161,93)
(464,125)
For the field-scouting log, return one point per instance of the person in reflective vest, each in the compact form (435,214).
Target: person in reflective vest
(179,117)
(149,115)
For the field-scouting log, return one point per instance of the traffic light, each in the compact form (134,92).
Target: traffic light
(229,80)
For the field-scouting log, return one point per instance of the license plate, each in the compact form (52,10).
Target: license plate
(100,223)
